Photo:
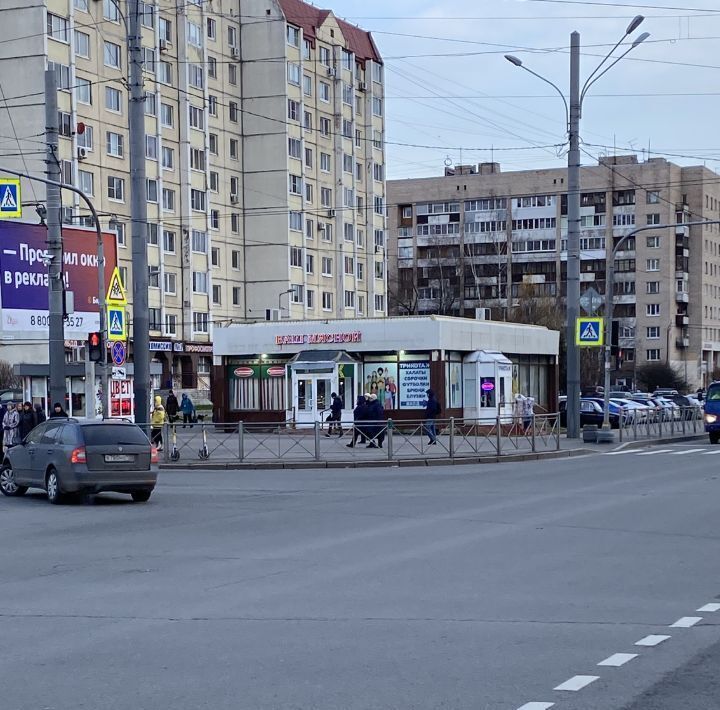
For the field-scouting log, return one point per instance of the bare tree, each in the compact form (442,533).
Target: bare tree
(8,379)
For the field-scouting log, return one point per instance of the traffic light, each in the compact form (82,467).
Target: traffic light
(95,347)
(615,338)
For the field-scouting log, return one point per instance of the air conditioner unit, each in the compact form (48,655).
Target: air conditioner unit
(378,249)
(272,314)
(233,198)
(331,72)
(234,52)
(81,153)
(482,314)
(331,213)
(164,45)
(362,86)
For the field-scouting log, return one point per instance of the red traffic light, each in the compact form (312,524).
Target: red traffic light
(94,339)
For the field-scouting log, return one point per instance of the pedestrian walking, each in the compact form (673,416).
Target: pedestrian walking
(335,418)
(359,416)
(188,410)
(157,420)
(172,407)
(26,420)
(39,414)
(528,412)
(58,412)
(11,421)
(375,430)
(432,412)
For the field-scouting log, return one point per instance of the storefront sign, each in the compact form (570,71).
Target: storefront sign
(276,371)
(414,384)
(244,372)
(161,346)
(487,386)
(319,338)
(196,348)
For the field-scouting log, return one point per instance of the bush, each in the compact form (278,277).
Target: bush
(653,375)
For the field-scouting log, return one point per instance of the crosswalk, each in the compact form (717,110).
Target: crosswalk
(691,451)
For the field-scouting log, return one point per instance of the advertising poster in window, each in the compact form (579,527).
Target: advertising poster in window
(414,384)
(454,385)
(381,378)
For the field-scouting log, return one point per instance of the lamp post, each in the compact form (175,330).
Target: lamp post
(280,295)
(573,113)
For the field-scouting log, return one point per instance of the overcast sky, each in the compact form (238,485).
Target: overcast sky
(452,95)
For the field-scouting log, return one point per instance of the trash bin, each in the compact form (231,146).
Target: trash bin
(590,433)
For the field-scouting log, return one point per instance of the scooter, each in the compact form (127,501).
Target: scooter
(174,453)
(204,452)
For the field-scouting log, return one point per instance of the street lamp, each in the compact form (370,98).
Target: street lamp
(573,111)
(280,295)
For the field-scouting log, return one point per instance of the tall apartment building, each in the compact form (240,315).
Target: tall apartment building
(480,238)
(264,156)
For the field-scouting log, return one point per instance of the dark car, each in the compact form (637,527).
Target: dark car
(67,456)
(591,413)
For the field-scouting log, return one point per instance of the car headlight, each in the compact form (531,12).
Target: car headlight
(710,418)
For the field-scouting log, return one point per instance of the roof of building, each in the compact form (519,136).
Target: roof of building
(310,18)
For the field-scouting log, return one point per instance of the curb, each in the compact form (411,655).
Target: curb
(395,463)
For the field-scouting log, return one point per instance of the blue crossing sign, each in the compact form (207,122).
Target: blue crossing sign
(116,323)
(10,201)
(589,332)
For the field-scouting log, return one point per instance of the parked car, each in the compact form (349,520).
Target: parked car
(67,456)
(690,406)
(712,412)
(591,413)
(665,392)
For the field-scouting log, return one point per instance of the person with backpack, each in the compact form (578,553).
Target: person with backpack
(335,418)
(187,409)
(172,407)
(432,412)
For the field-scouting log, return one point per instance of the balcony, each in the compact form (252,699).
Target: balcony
(681,320)
(682,297)
(681,230)
(682,343)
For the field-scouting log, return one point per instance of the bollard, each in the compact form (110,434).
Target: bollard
(498,436)
(532,439)
(389,438)
(621,424)
(451,446)
(241,441)
(317,441)
(166,442)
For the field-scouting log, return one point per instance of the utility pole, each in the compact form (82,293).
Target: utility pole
(56,344)
(573,249)
(138,212)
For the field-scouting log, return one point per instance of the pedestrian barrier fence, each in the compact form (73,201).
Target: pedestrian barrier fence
(636,424)
(387,440)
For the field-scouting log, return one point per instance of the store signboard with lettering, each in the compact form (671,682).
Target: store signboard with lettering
(414,384)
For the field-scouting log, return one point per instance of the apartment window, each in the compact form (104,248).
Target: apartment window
(326,266)
(213,143)
(58,28)
(326,232)
(214,219)
(151,147)
(199,282)
(309,229)
(197,159)
(168,241)
(194,34)
(149,60)
(214,181)
(347,128)
(379,269)
(119,229)
(652,265)
(309,193)
(199,242)
(324,91)
(652,197)
(307,85)
(83,91)
(82,44)
(293,36)
(196,76)
(111,11)
(85,139)
(307,121)
(168,158)
(115,144)
(66,172)
(233,111)
(111,55)
(152,233)
(349,232)
(200,322)
(211,28)
(377,107)
(63,75)
(298,293)
(360,238)
(215,256)
(378,172)
(150,104)
(377,139)
(347,60)
(197,200)
(155,315)
(325,196)
(212,67)
(349,299)
(197,117)
(653,355)
(325,162)
(360,271)
(216,294)
(166,115)
(65,126)
(293,73)
(310,299)
(307,50)
(234,148)
(232,74)
(296,221)
(235,259)
(168,199)
(153,277)
(653,242)
(165,27)
(152,190)
(379,303)
(113,99)
(349,266)
(348,94)
(294,148)
(379,205)
(170,324)
(236,296)
(81,5)
(147,14)
(115,188)
(324,126)
(652,309)
(653,287)
(360,304)
(293,110)
(234,186)
(327,301)
(170,284)
(347,163)
(653,218)
(164,73)
(325,56)
(86,182)
(295,183)
(380,238)
(296,257)
(653,332)
(309,264)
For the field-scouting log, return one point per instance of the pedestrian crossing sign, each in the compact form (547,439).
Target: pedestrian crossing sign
(116,291)
(10,202)
(589,332)
(116,323)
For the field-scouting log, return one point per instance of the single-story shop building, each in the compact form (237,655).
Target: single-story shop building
(285,371)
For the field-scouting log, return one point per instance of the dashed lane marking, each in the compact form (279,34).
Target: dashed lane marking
(686,622)
(688,451)
(624,451)
(618,659)
(709,607)
(536,706)
(711,453)
(652,640)
(652,453)
(577,682)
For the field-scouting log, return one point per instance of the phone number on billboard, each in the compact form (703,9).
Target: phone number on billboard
(72,321)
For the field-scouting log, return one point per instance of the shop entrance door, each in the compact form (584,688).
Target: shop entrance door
(312,396)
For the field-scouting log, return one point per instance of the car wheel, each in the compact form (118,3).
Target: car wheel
(714,438)
(141,496)
(7,482)
(53,487)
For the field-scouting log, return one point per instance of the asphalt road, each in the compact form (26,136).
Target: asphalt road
(480,588)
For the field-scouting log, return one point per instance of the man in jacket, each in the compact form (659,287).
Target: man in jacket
(58,412)
(359,416)
(172,407)
(335,419)
(376,429)
(187,409)
(39,414)
(432,412)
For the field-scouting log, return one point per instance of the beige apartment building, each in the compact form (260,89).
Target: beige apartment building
(478,242)
(264,158)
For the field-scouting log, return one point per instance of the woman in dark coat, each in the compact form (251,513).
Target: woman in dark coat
(27,420)
(376,429)
(359,416)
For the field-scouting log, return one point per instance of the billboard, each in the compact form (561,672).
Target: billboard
(24,280)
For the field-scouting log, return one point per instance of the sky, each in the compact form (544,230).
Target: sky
(451,97)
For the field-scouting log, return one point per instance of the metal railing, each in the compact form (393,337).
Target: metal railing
(634,425)
(379,442)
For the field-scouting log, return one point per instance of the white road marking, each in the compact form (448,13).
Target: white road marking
(536,706)
(577,682)
(711,453)
(652,453)
(618,659)
(710,607)
(688,451)
(686,622)
(652,640)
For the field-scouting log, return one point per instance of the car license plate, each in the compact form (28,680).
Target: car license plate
(118,458)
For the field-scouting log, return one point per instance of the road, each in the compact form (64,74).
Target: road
(482,588)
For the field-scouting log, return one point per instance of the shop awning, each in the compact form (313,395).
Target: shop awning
(310,361)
